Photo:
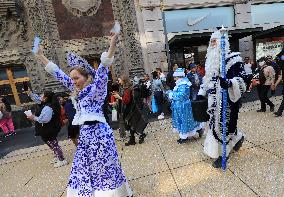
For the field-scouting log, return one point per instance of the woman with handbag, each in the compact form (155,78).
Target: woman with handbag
(128,106)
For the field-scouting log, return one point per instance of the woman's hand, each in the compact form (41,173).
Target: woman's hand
(39,55)
(32,117)
(116,96)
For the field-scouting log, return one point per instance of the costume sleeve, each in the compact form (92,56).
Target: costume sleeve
(99,88)
(126,98)
(45,115)
(238,87)
(35,97)
(58,74)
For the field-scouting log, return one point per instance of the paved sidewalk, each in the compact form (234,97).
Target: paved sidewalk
(161,167)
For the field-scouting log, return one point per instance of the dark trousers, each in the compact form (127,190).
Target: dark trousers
(263,96)
(248,80)
(281,108)
(159,100)
(234,116)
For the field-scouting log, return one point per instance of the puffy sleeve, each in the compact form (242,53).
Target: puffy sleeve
(99,88)
(58,74)
(45,115)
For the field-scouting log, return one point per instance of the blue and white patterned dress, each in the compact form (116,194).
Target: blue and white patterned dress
(96,171)
(182,116)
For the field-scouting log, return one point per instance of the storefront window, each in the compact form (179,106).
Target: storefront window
(12,80)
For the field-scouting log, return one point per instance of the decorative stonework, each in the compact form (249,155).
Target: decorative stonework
(82,7)
(38,17)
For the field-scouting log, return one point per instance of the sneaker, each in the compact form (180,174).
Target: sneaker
(261,110)
(161,117)
(277,114)
(54,160)
(182,141)
(60,163)
(141,138)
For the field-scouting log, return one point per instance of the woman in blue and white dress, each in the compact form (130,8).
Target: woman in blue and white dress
(96,171)
(182,116)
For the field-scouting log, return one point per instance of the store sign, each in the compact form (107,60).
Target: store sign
(267,13)
(268,48)
(199,19)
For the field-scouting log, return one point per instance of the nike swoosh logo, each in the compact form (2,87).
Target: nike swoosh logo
(191,22)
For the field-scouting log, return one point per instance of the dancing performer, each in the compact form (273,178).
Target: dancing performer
(212,86)
(96,171)
(182,117)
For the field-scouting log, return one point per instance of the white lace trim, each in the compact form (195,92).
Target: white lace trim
(105,60)
(122,191)
(51,67)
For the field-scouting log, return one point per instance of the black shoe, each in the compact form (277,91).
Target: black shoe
(200,132)
(182,141)
(239,144)
(218,162)
(261,110)
(277,114)
(141,138)
(272,108)
(130,142)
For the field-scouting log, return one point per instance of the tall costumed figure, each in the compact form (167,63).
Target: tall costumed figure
(96,170)
(223,84)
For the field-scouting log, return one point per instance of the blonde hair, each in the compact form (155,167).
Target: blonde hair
(126,82)
(84,73)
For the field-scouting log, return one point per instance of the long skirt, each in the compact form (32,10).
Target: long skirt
(96,171)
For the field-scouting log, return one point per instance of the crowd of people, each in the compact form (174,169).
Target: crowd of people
(85,110)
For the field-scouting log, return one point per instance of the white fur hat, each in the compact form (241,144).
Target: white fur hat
(179,73)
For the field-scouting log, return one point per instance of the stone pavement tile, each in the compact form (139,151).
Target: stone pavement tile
(276,147)
(160,184)
(260,170)
(35,176)
(261,128)
(201,179)
(179,154)
(142,159)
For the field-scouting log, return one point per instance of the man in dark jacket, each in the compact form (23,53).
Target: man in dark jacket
(170,81)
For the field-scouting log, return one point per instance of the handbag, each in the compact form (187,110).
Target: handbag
(114,115)
(154,105)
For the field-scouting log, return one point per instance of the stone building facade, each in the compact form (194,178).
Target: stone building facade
(58,25)
(152,25)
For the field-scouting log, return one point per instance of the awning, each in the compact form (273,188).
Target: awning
(192,39)
(273,32)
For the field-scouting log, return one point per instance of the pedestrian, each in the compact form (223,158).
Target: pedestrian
(161,75)
(128,107)
(280,62)
(170,81)
(157,89)
(200,69)
(63,116)
(146,91)
(248,71)
(47,123)
(196,80)
(277,70)
(182,116)
(96,170)
(266,81)
(6,120)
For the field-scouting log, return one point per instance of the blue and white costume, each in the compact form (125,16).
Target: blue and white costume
(182,116)
(96,171)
